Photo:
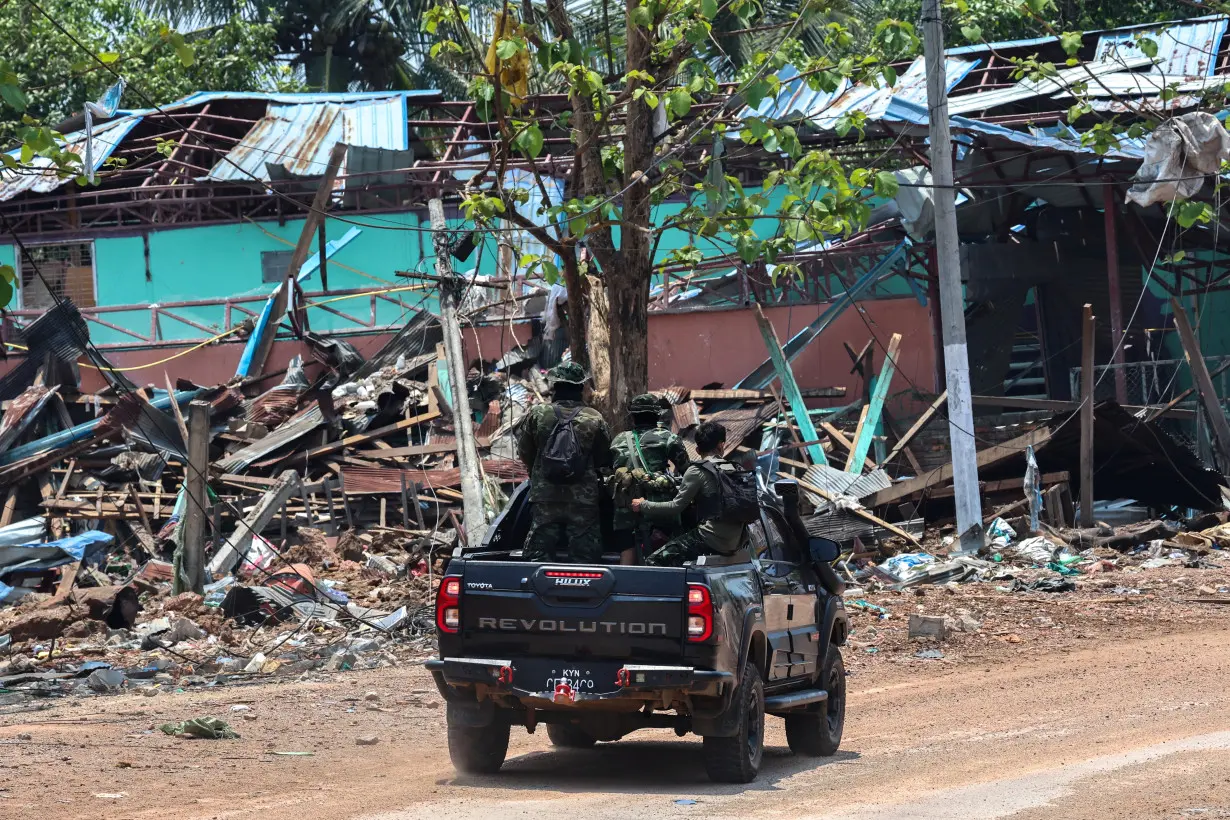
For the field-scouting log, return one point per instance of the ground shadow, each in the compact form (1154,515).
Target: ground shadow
(668,767)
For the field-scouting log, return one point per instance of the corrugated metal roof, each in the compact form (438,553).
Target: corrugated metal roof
(1187,49)
(839,482)
(106,137)
(824,109)
(1194,22)
(300,137)
(202,97)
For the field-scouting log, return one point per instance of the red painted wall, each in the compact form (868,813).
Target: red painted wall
(697,348)
(691,349)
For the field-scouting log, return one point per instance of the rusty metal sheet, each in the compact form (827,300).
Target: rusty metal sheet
(365,480)
(298,138)
(23,410)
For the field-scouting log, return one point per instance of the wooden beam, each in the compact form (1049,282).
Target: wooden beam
(1087,380)
(852,456)
(1204,387)
(839,438)
(875,408)
(904,441)
(1169,407)
(861,513)
(1057,406)
(986,457)
(790,387)
(237,545)
(365,437)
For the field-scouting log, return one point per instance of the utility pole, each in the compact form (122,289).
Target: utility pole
(952,295)
(473,514)
(191,575)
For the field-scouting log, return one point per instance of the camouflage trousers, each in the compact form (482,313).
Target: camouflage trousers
(685,547)
(567,534)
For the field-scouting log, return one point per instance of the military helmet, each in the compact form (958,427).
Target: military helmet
(645,403)
(568,372)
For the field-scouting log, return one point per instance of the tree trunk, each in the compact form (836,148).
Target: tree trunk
(627,293)
(599,340)
(578,339)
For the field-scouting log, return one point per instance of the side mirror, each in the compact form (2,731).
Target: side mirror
(823,550)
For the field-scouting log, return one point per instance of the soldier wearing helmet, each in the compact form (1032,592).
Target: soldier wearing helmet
(565,445)
(640,458)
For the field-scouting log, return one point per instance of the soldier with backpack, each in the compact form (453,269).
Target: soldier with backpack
(640,457)
(725,500)
(565,445)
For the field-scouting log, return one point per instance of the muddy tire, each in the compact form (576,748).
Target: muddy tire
(478,750)
(567,736)
(817,733)
(737,759)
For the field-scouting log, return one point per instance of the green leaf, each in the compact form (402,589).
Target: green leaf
(108,57)
(755,93)
(748,247)
(886,185)
(506,49)
(7,273)
(186,55)
(972,32)
(890,75)
(27,153)
(550,272)
(14,96)
(1189,212)
(1148,47)
(708,9)
(1071,42)
(680,102)
(642,16)
(1177,256)
(529,141)
(6,293)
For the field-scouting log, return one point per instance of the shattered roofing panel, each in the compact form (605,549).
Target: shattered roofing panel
(1187,49)
(824,109)
(106,137)
(299,137)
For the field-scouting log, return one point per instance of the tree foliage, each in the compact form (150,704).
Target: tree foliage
(658,128)
(57,76)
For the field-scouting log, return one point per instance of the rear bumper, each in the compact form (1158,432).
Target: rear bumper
(455,676)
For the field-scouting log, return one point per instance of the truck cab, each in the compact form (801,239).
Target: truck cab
(597,651)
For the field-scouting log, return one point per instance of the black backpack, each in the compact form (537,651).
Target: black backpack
(738,493)
(563,460)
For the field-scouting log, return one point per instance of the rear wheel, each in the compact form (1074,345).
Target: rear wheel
(737,759)
(567,736)
(818,733)
(478,750)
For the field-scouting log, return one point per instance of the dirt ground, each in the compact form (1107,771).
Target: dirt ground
(1106,702)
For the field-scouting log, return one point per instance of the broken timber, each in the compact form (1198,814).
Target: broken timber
(236,547)
(863,514)
(875,408)
(790,387)
(1204,386)
(987,456)
(913,431)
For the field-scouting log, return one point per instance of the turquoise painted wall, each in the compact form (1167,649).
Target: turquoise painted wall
(220,261)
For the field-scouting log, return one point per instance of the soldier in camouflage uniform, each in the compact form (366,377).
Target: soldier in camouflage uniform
(699,489)
(566,519)
(639,457)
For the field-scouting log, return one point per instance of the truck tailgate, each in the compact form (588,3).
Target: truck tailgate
(571,611)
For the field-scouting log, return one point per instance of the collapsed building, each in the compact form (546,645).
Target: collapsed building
(330,414)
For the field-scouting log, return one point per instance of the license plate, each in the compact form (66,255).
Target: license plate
(577,678)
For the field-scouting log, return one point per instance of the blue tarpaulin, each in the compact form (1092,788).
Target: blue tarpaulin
(85,546)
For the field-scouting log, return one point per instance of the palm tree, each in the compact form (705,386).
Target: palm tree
(340,46)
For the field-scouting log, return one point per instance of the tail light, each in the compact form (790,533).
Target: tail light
(448,605)
(700,613)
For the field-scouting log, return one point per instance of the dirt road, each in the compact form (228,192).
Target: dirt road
(1130,729)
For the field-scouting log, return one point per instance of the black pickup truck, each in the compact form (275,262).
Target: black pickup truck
(597,651)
